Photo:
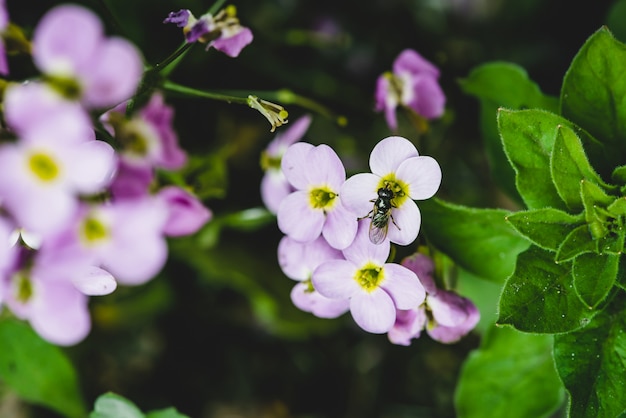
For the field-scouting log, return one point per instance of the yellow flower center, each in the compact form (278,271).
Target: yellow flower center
(93,230)
(322,198)
(369,276)
(43,166)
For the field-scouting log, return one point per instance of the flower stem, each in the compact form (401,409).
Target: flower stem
(192,92)
(216,7)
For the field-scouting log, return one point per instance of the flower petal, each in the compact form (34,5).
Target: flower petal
(423,176)
(373,311)
(362,250)
(318,305)
(359,192)
(340,227)
(94,281)
(335,279)
(60,314)
(403,286)
(298,219)
(408,219)
(409,324)
(423,267)
(293,162)
(323,166)
(389,153)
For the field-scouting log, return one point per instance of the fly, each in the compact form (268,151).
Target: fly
(381,214)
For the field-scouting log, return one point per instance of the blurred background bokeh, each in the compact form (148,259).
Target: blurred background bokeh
(215,334)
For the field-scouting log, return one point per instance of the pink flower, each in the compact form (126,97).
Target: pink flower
(221,31)
(413,84)
(69,46)
(125,238)
(314,208)
(274,184)
(298,261)
(50,302)
(4,23)
(186,214)
(446,316)
(397,167)
(376,289)
(55,160)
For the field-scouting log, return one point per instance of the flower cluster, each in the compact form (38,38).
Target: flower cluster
(338,235)
(78,216)
(412,84)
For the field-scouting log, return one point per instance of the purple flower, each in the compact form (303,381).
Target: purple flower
(314,208)
(274,185)
(445,315)
(54,161)
(397,167)
(186,213)
(4,23)
(376,289)
(69,46)
(222,31)
(412,84)
(148,138)
(125,238)
(298,261)
(50,302)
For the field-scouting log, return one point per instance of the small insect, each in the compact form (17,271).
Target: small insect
(381,214)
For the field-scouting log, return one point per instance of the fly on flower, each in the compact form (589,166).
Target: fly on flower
(381,214)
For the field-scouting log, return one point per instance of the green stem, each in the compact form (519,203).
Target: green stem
(216,6)
(192,92)
(183,48)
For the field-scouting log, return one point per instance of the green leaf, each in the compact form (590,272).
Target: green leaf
(539,297)
(546,228)
(569,166)
(579,241)
(38,371)
(512,375)
(593,95)
(528,137)
(111,405)
(594,276)
(166,413)
(502,84)
(592,365)
(478,240)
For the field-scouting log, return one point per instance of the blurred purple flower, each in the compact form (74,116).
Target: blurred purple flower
(274,185)
(54,161)
(222,31)
(186,214)
(414,84)
(70,48)
(4,23)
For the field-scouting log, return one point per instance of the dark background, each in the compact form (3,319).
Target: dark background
(215,335)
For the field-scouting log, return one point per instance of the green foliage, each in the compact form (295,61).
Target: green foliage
(37,370)
(568,282)
(497,85)
(111,405)
(591,364)
(508,370)
(478,240)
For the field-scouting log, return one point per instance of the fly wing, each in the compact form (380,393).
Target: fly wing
(378,234)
